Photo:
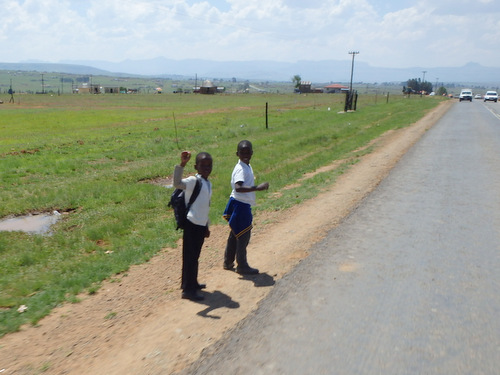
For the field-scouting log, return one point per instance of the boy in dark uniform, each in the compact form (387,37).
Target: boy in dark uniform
(196,228)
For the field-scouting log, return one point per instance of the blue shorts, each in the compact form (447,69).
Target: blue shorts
(239,216)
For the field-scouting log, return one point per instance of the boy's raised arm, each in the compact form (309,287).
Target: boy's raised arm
(179,169)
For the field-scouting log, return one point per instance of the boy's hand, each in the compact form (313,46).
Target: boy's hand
(207,233)
(185,156)
(263,186)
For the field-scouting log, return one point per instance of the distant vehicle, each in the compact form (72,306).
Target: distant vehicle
(465,94)
(478,96)
(491,96)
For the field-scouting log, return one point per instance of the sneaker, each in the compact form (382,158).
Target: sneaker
(247,270)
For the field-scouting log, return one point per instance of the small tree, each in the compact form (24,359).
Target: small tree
(442,91)
(415,85)
(426,86)
(296,79)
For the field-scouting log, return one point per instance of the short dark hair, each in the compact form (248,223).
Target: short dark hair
(203,155)
(244,144)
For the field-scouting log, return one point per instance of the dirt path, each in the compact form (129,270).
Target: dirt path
(137,323)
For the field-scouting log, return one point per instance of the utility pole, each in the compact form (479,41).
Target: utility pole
(350,96)
(43,86)
(353,53)
(423,79)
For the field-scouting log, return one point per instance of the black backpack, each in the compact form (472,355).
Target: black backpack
(178,203)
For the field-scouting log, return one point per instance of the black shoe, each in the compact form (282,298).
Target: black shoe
(201,286)
(247,270)
(192,296)
(229,267)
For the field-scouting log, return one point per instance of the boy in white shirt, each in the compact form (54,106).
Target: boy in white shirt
(196,228)
(238,211)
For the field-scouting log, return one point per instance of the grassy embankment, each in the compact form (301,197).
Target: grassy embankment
(91,156)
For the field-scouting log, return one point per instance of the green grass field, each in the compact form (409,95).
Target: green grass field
(92,156)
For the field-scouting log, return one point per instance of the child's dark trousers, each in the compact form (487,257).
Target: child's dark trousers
(193,238)
(237,248)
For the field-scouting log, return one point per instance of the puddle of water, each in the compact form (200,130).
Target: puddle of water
(34,224)
(161,181)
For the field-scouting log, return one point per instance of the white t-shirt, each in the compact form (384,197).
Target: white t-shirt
(198,213)
(243,172)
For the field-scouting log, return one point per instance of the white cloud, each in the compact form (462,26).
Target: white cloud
(397,33)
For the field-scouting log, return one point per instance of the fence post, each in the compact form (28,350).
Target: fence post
(267,110)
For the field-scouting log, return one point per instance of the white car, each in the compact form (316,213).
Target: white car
(465,94)
(491,96)
(478,96)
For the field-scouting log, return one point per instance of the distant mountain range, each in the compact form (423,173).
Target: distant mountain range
(261,70)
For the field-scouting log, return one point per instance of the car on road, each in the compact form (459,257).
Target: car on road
(465,94)
(478,96)
(491,96)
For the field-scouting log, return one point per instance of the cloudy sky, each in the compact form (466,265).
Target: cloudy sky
(391,33)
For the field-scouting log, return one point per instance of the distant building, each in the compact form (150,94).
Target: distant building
(305,87)
(336,88)
(110,90)
(86,88)
(208,88)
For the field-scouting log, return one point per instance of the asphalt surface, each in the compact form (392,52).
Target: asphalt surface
(407,284)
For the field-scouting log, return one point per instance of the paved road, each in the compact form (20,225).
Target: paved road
(409,283)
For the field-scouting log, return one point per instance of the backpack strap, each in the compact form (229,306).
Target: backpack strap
(194,195)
